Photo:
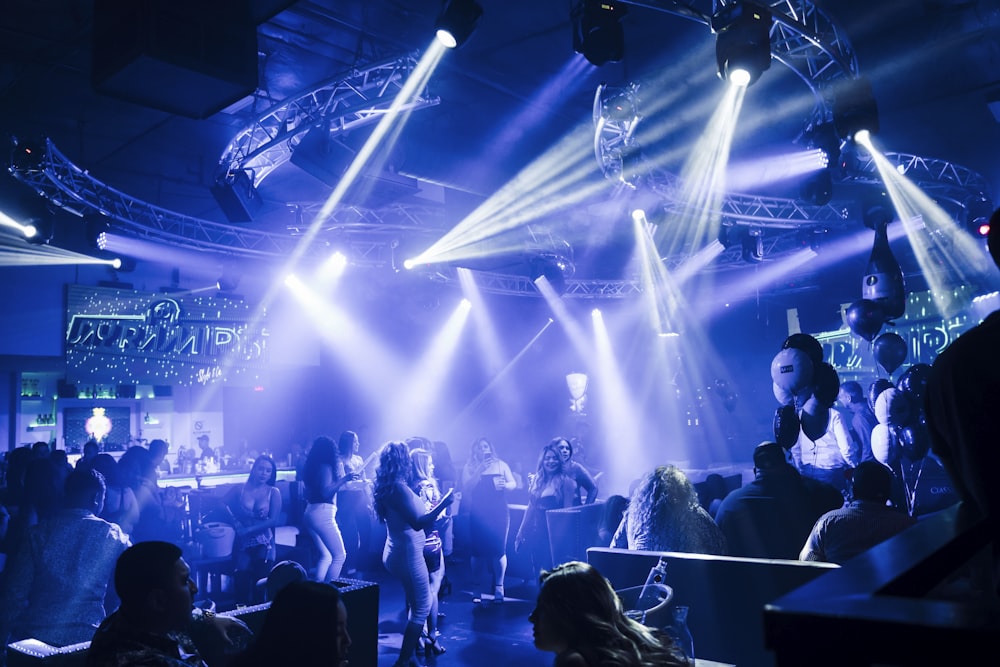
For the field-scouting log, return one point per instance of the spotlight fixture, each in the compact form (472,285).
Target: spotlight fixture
(27,155)
(824,137)
(598,32)
(98,227)
(619,104)
(978,210)
(854,108)
(752,245)
(743,42)
(555,268)
(456,22)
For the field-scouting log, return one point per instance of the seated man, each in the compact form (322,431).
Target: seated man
(57,582)
(771,516)
(156,590)
(864,522)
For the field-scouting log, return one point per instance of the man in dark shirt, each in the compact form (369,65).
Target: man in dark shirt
(772,516)
(56,584)
(963,392)
(156,590)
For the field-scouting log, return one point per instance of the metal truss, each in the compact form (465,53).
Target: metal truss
(938,178)
(503,283)
(349,101)
(67,186)
(803,38)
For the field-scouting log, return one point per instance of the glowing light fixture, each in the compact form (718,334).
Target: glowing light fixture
(456,22)
(854,109)
(597,30)
(743,42)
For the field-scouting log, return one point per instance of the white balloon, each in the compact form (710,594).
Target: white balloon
(784,397)
(883,445)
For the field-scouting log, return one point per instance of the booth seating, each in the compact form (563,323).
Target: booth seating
(726,595)
(360,598)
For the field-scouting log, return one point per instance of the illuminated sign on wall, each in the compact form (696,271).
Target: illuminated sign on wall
(926,334)
(123,336)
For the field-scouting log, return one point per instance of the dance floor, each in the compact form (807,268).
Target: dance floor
(483,634)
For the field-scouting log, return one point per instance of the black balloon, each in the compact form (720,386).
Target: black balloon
(814,418)
(915,440)
(876,388)
(786,426)
(914,380)
(865,318)
(826,384)
(890,351)
(806,343)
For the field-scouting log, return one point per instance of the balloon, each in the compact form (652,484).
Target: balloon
(884,447)
(786,426)
(876,388)
(890,351)
(826,383)
(784,396)
(865,318)
(815,419)
(806,343)
(915,441)
(791,370)
(894,408)
(914,380)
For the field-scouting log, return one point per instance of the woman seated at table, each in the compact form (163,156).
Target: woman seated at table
(256,509)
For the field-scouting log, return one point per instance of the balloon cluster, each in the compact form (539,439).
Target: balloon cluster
(902,426)
(805,386)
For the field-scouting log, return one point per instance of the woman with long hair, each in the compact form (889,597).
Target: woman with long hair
(548,489)
(579,617)
(323,475)
(486,480)
(354,504)
(585,482)
(664,515)
(256,510)
(425,485)
(406,518)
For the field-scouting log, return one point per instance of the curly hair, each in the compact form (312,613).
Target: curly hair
(587,614)
(662,493)
(394,467)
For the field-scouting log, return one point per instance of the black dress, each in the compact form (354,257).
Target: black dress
(489,518)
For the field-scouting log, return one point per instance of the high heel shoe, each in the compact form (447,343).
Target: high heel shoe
(433,647)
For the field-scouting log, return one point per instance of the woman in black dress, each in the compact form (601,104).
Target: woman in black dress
(487,479)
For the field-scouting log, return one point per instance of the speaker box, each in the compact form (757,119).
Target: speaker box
(326,158)
(237,197)
(188,57)
(361,600)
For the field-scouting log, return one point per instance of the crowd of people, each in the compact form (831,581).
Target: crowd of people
(87,558)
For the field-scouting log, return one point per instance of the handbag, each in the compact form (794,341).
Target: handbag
(432,551)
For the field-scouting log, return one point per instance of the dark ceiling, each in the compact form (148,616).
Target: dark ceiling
(933,65)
